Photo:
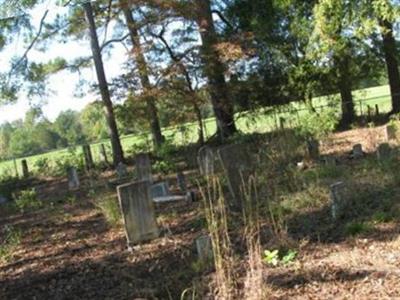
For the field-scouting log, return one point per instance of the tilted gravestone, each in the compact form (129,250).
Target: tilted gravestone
(383,151)
(143,167)
(338,199)
(103,154)
(122,171)
(357,151)
(25,169)
(87,154)
(181,182)
(138,212)
(390,132)
(238,164)
(73,179)
(204,249)
(206,161)
(313,149)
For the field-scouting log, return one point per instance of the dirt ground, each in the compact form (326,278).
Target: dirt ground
(70,252)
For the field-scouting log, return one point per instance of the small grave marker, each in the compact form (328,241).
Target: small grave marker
(357,151)
(390,132)
(313,149)
(238,164)
(338,199)
(138,212)
(206,161)
(204,249)
(383,151)
(143,167)
(122,171)
(73,179)
(181,182)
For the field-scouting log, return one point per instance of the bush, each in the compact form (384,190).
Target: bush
(42,165)
(28,200)
(110,209)
(11,238)
(318,124)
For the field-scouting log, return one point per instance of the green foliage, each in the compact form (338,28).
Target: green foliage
(318,124)
(279,257)
(356,228)
(164,167)
(10,239)
(110,209)
(42,165)
(28,200)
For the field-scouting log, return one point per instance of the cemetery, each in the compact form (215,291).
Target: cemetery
(90,237)
(199,149)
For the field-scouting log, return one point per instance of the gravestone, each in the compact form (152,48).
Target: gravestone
(3,200)
(313,149)
(122,171)
(357,151)
(138,212)
(25,169)
(87,154)
(330,160)
(338,199)
(383,151)
(238,164)
(160,190)
(73,179)
(206,161)
(181,181)
(103,154)
(204,249)
(143,167)
(390,132)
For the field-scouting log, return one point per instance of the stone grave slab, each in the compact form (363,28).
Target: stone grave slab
(138,212)
(357,151)
(206,161)
(238,164)
(122,170)
(313,149)
(181,182)
(160,189)
(143,167)
(338,199)
(204,249)
(73,179)
(383,151)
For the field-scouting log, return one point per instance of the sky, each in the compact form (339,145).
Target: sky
(64,83)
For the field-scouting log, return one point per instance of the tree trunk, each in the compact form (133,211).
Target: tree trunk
(389,48)
(344,85)
(158,138)
(214,71)
(118,155)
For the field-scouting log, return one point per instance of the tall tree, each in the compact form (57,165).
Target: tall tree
(385,14)
(332,20)
(137,51)
(214,69)
(103,86)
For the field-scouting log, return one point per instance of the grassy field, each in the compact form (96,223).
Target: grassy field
(260,121)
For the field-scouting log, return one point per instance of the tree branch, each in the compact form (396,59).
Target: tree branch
(24,56)
(223,19)
(116,40)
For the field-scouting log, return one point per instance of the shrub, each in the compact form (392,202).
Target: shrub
(28,200)
(110,209)
(12,238)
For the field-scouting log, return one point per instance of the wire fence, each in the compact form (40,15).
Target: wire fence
(261,120)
